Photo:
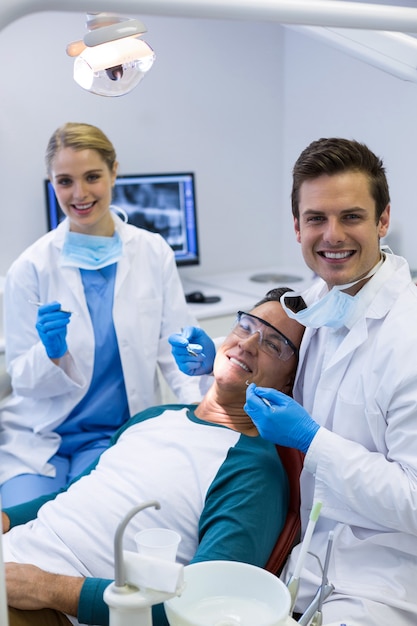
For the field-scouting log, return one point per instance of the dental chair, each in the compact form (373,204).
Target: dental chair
(292,461)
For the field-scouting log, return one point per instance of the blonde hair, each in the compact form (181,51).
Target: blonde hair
(79,136)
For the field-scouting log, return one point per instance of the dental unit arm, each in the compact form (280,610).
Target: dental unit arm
(313,614)
(140,581)
(294,581)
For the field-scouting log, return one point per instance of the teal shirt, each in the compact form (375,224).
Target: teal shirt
(243,514)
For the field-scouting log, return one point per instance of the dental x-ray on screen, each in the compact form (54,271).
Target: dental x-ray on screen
(160,203)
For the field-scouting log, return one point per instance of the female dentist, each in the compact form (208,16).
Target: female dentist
(88,309)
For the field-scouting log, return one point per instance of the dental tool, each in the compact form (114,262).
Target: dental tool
(310,611)
(38,304)
(188,348)
(264,400)
(294,582)
(318,616)
(190,351)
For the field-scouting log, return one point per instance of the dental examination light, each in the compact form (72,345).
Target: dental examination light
(111,59)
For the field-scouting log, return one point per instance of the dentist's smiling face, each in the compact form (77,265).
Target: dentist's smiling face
(83,185)
(240,359)
(337,227)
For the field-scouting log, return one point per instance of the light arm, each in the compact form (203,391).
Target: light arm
(317,13)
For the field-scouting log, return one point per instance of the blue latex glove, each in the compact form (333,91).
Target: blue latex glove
(52,329)
(200,343)
(284,422)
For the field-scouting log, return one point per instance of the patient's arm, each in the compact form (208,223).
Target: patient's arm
(30,588)
(5,522)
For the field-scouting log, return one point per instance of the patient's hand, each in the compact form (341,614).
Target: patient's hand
(5,522)
(30,588)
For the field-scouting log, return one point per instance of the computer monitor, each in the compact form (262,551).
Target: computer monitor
(160,203)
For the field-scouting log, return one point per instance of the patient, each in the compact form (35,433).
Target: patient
(220,485)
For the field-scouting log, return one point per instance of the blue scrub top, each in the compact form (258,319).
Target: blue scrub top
(104,407)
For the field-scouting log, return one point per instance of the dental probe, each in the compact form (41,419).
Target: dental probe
(187,347)
(42,304)
(294,582)
(190,351)
(264,400)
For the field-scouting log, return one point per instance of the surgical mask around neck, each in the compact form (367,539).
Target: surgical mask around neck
(333,310)
(90,252)
(336,309)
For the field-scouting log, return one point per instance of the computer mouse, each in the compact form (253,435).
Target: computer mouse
(198,297)
(195,296)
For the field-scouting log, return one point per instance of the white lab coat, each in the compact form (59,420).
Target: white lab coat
(149,305)
(363,466)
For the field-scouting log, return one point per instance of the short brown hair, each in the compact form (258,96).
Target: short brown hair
(333,156)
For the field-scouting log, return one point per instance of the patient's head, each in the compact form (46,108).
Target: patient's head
(261,348)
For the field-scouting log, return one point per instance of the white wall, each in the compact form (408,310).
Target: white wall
(211,104)
(246,99)
(328,93)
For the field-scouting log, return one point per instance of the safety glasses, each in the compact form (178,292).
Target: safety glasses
(271,340)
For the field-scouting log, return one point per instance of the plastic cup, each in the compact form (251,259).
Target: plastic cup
(160,543)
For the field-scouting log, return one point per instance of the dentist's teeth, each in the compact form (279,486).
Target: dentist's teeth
(240,364)
(336,255)
(83,207)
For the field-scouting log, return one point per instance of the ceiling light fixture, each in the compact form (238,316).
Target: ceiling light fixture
(111,59)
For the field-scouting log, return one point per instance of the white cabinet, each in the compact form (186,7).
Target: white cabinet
(217,326)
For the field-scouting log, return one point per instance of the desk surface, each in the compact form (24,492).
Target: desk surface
(239,290)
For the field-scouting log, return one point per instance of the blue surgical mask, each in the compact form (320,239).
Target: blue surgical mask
(336,309)
(90,252)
